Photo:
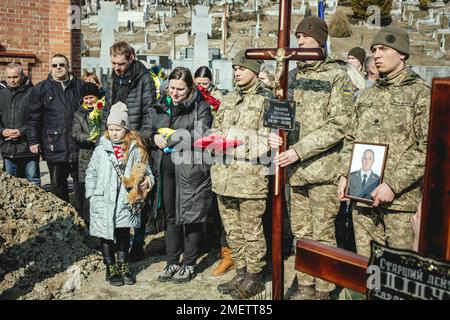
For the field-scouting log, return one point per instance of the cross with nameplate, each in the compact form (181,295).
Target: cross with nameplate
(282,54)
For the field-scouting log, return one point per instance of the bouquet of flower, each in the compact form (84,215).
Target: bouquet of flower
(95,120)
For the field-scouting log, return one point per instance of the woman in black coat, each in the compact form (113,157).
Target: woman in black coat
(184,185)
(85,132)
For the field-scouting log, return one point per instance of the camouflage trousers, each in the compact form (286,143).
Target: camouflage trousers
(242,221)
(390,228)
(313,210)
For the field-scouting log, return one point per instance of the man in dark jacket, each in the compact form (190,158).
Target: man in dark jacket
(52,105)
(14,96)
(133,85)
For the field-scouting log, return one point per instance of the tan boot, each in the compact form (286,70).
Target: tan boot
(225,264)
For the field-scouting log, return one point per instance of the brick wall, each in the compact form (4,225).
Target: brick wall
(32,31)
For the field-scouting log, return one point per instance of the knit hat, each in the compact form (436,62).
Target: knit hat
(314,27)
(358,53)
(118,115)
(393,37)
(240,60)
(90,89)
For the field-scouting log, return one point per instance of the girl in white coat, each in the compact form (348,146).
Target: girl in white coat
(111,214)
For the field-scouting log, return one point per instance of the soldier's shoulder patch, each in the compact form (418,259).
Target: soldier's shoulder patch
(346,89)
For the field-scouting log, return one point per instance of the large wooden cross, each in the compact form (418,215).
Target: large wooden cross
(282,54)
(348,269)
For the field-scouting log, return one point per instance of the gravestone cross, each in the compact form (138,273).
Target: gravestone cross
(108,24)
(282,54)
(201,27)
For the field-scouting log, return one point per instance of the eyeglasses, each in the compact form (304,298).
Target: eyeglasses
(56,65)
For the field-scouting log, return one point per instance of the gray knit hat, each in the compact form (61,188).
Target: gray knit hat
(314,27)
(393,37)
(240,60)
(118,115)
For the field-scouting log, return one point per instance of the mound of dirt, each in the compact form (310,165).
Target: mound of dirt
(45,249)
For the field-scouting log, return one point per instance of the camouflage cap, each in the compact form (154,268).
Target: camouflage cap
(314,27)
(393,37)
(240,60)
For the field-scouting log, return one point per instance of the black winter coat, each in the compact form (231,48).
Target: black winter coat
(13,115)
(51,111)
(80,133)
(140,94)
(193,182)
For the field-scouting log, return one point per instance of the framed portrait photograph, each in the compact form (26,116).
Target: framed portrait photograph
(366,170)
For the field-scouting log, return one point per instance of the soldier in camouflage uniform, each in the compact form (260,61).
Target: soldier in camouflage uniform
(323,94)
(394,111)
(240,180)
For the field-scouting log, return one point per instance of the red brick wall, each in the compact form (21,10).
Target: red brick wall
(41,28)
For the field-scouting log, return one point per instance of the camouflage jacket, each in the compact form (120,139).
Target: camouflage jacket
(324,99)
(241,173)
(395,111)
(215,92)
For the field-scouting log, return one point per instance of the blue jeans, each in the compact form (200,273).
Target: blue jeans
(24,168)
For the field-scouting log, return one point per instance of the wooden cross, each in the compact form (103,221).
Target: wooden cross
(281,54)
(348,269)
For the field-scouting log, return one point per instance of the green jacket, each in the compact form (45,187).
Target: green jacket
(324,97)
(241,116)
(395,111)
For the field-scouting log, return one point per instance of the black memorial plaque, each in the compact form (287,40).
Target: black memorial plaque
(396,274)
(279,114)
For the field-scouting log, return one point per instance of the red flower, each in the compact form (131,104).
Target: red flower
(99,105)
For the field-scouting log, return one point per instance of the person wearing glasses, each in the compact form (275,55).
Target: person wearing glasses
(52,105)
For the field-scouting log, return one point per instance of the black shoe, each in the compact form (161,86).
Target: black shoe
(230,286)
(251,286)
(113,275)
(128,278)
(136,252)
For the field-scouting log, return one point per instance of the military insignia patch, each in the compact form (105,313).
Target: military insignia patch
(346,90)
(390,38)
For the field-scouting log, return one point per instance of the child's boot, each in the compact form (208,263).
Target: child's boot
(112,273)
(124,268)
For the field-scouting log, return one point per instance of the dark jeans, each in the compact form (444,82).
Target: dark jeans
(84,210)
(24,168)
(59,173)
(179,239)
(139,233)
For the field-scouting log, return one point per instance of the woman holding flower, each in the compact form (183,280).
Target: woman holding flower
(85,131)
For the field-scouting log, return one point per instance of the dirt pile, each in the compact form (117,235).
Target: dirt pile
(45,248)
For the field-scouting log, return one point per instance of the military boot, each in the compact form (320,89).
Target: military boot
(124,268)
(305,293)
(251,286)
(228,287)
(322,295)
(225,264)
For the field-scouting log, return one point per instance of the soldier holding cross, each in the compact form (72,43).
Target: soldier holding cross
(323,95)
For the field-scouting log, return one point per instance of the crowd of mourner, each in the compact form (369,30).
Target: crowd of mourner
(174,146)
